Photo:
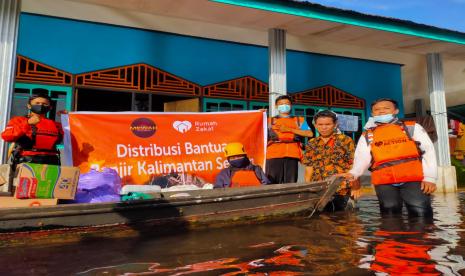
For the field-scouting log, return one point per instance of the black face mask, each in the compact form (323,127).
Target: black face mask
(39,109)
(239,163)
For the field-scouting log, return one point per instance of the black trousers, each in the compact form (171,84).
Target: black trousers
(340,203)
(282,170)
(391,199)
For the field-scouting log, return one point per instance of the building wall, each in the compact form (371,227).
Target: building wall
(78,46)
(414,77)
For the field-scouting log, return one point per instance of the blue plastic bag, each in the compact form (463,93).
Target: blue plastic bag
(95,186)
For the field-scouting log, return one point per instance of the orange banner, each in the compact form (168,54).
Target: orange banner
(143,145)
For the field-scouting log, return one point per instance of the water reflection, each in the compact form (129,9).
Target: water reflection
(286,260)
(401,246)
(359,243)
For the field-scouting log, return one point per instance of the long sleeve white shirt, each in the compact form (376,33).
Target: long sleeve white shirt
(362,157)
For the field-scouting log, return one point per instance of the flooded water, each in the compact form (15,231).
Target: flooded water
(357,243)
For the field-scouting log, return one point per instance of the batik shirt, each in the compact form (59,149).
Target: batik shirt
(330,158)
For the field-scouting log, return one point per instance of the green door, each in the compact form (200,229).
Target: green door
(61,98)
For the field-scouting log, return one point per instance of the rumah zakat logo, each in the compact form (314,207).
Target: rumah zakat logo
(143,127)
(182,126)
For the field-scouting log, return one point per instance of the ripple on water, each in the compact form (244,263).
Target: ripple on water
(359,243)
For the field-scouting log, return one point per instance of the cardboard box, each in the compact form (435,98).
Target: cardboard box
(11,202)
(46,181)
(5,174)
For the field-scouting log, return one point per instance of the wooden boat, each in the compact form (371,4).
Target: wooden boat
(173,210)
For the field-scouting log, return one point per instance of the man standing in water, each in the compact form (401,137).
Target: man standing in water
(329,154)
(402,160)
(284,143)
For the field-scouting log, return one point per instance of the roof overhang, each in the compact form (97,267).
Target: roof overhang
(307,20)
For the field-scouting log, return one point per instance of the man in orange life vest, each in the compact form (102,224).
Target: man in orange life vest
(401,158)
(284,150)
(34,135)
(241,172)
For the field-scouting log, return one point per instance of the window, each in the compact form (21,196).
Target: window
(212,105)
(258,105)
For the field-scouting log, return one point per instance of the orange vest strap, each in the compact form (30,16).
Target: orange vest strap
(393,163)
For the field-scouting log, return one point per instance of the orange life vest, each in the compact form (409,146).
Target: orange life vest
(244,178)
(283,144)
(41,140)
(396,156)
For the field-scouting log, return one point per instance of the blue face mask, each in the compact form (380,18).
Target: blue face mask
(239,163)
(386,118)
(284,108)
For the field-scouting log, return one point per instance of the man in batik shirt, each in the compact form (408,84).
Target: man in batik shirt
(329,154)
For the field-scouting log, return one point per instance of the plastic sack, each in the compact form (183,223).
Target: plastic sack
(140,188)
(95,187)
(178,179)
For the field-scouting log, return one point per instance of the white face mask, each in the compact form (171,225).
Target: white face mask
(284,108)
(386,118)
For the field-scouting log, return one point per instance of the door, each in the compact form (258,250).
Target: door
(189,105)
(61,98)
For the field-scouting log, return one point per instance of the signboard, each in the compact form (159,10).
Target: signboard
(347,122)
(140,146)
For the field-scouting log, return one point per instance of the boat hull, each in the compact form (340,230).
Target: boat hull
(175,210)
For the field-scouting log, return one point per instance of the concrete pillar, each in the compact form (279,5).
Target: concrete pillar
(447,180)
(277,66)
(9,18)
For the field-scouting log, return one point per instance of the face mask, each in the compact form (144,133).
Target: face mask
(239,163)
(39,109)
(284,108)
(386,118)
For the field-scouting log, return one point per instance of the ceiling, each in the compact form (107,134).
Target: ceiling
(232,15)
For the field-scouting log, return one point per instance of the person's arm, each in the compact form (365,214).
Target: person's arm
(307,160)
(222,180)
(261,175)
(429,163)
(60,131)
(16,128)
(303,131)
(362,158)
(355,187)
(308,174)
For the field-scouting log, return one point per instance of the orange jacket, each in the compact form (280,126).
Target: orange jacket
(33,140)
(283,144)
(244,178)
(396,156)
